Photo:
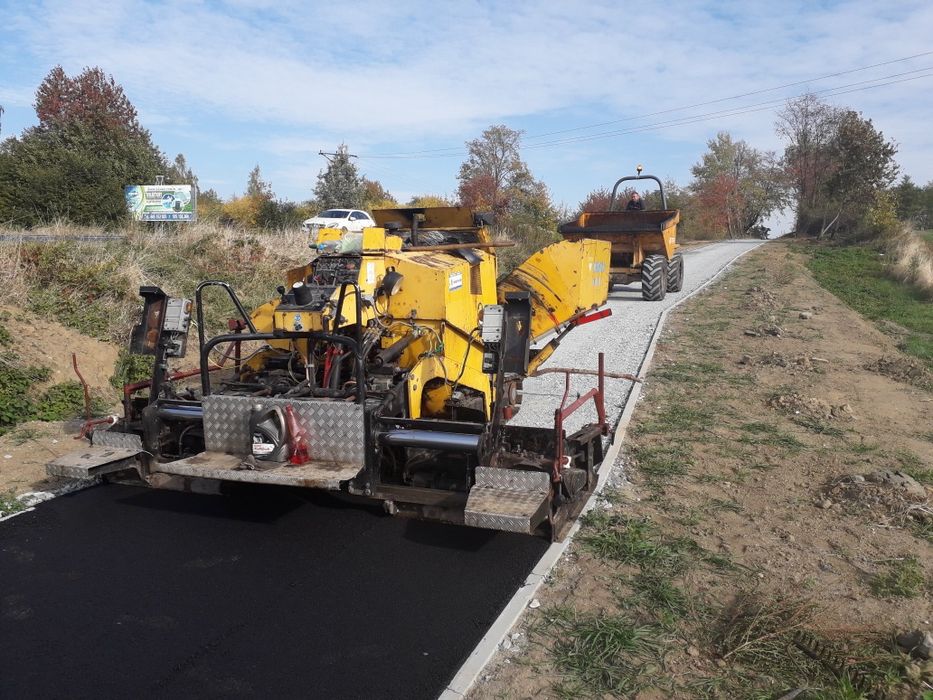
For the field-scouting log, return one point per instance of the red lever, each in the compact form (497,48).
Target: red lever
(593,317)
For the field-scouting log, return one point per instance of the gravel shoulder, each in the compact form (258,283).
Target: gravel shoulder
(623,337)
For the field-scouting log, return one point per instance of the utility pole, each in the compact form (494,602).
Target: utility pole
(330,156)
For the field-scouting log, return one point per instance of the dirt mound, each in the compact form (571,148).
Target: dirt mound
(759,298)
(894,498)
(902,369)
(816,409)
(41,343)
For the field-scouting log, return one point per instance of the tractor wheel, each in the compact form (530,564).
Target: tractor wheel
(654,278)
(675,273)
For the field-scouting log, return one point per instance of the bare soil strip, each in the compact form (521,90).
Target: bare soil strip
(773,535)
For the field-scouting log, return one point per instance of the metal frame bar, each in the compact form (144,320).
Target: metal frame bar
(560,414)
(200,309)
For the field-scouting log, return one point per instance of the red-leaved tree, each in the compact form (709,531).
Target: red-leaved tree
(90,98)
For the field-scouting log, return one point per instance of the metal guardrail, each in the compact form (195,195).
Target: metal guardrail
(54,238)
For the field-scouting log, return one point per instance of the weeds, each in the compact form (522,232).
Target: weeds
(659,595)
(901,578)
(21,436)
(689,372)
(721,504)
(626,541)
(819,427)
(602,653)
(758,433)
(677,419)
(9,504)
(659,462)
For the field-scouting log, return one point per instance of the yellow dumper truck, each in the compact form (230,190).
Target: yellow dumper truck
(644,243)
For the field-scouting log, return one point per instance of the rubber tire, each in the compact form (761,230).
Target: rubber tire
(675,273)
(654,278)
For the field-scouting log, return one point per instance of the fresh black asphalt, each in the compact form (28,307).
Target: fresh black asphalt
(118,592)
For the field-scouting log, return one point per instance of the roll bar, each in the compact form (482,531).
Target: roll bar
(615,188)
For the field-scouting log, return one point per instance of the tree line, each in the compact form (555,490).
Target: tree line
(837,173)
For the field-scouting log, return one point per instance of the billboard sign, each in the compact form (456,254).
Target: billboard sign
(161,202)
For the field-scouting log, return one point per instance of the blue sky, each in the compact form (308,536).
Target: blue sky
(236,83)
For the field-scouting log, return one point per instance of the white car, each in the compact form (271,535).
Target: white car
(344,219)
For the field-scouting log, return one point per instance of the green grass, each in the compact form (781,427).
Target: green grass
(20,436)
(722,504)
(900,578)
(9,504)
(911,464)
(689,372)
(856,275)
(625,541)
(659,595)
(758,433)
(600,654)
(677,418)
(661,462)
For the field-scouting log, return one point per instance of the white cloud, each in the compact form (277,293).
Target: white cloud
(310,75)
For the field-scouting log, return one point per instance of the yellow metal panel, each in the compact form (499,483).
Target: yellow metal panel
(374,239)
(565,280)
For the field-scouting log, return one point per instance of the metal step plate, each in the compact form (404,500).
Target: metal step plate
(224,467)
(92,461)
(511,500)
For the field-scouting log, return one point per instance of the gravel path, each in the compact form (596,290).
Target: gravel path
(623,337)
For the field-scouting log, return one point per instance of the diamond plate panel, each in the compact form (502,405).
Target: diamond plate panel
(92,461)
(503,509)
(111,438)
(335,428)
(225,467)
(512,479)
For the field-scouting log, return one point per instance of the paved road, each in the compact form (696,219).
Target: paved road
(120,592)
(123,592)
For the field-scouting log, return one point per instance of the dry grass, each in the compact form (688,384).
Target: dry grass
(92,285)
(912,259)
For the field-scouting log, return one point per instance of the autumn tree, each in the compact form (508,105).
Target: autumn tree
(737,187)
(494,178)
(836,163)
(375,196)
(429,200)
(92,98)
(340,184)
(863,167)
(597,200)
(807,125)
(87,146)
(494,175)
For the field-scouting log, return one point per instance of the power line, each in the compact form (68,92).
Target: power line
(457,150)
(693,119)
(746,109)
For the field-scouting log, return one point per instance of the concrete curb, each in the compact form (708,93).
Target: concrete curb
(486,649)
